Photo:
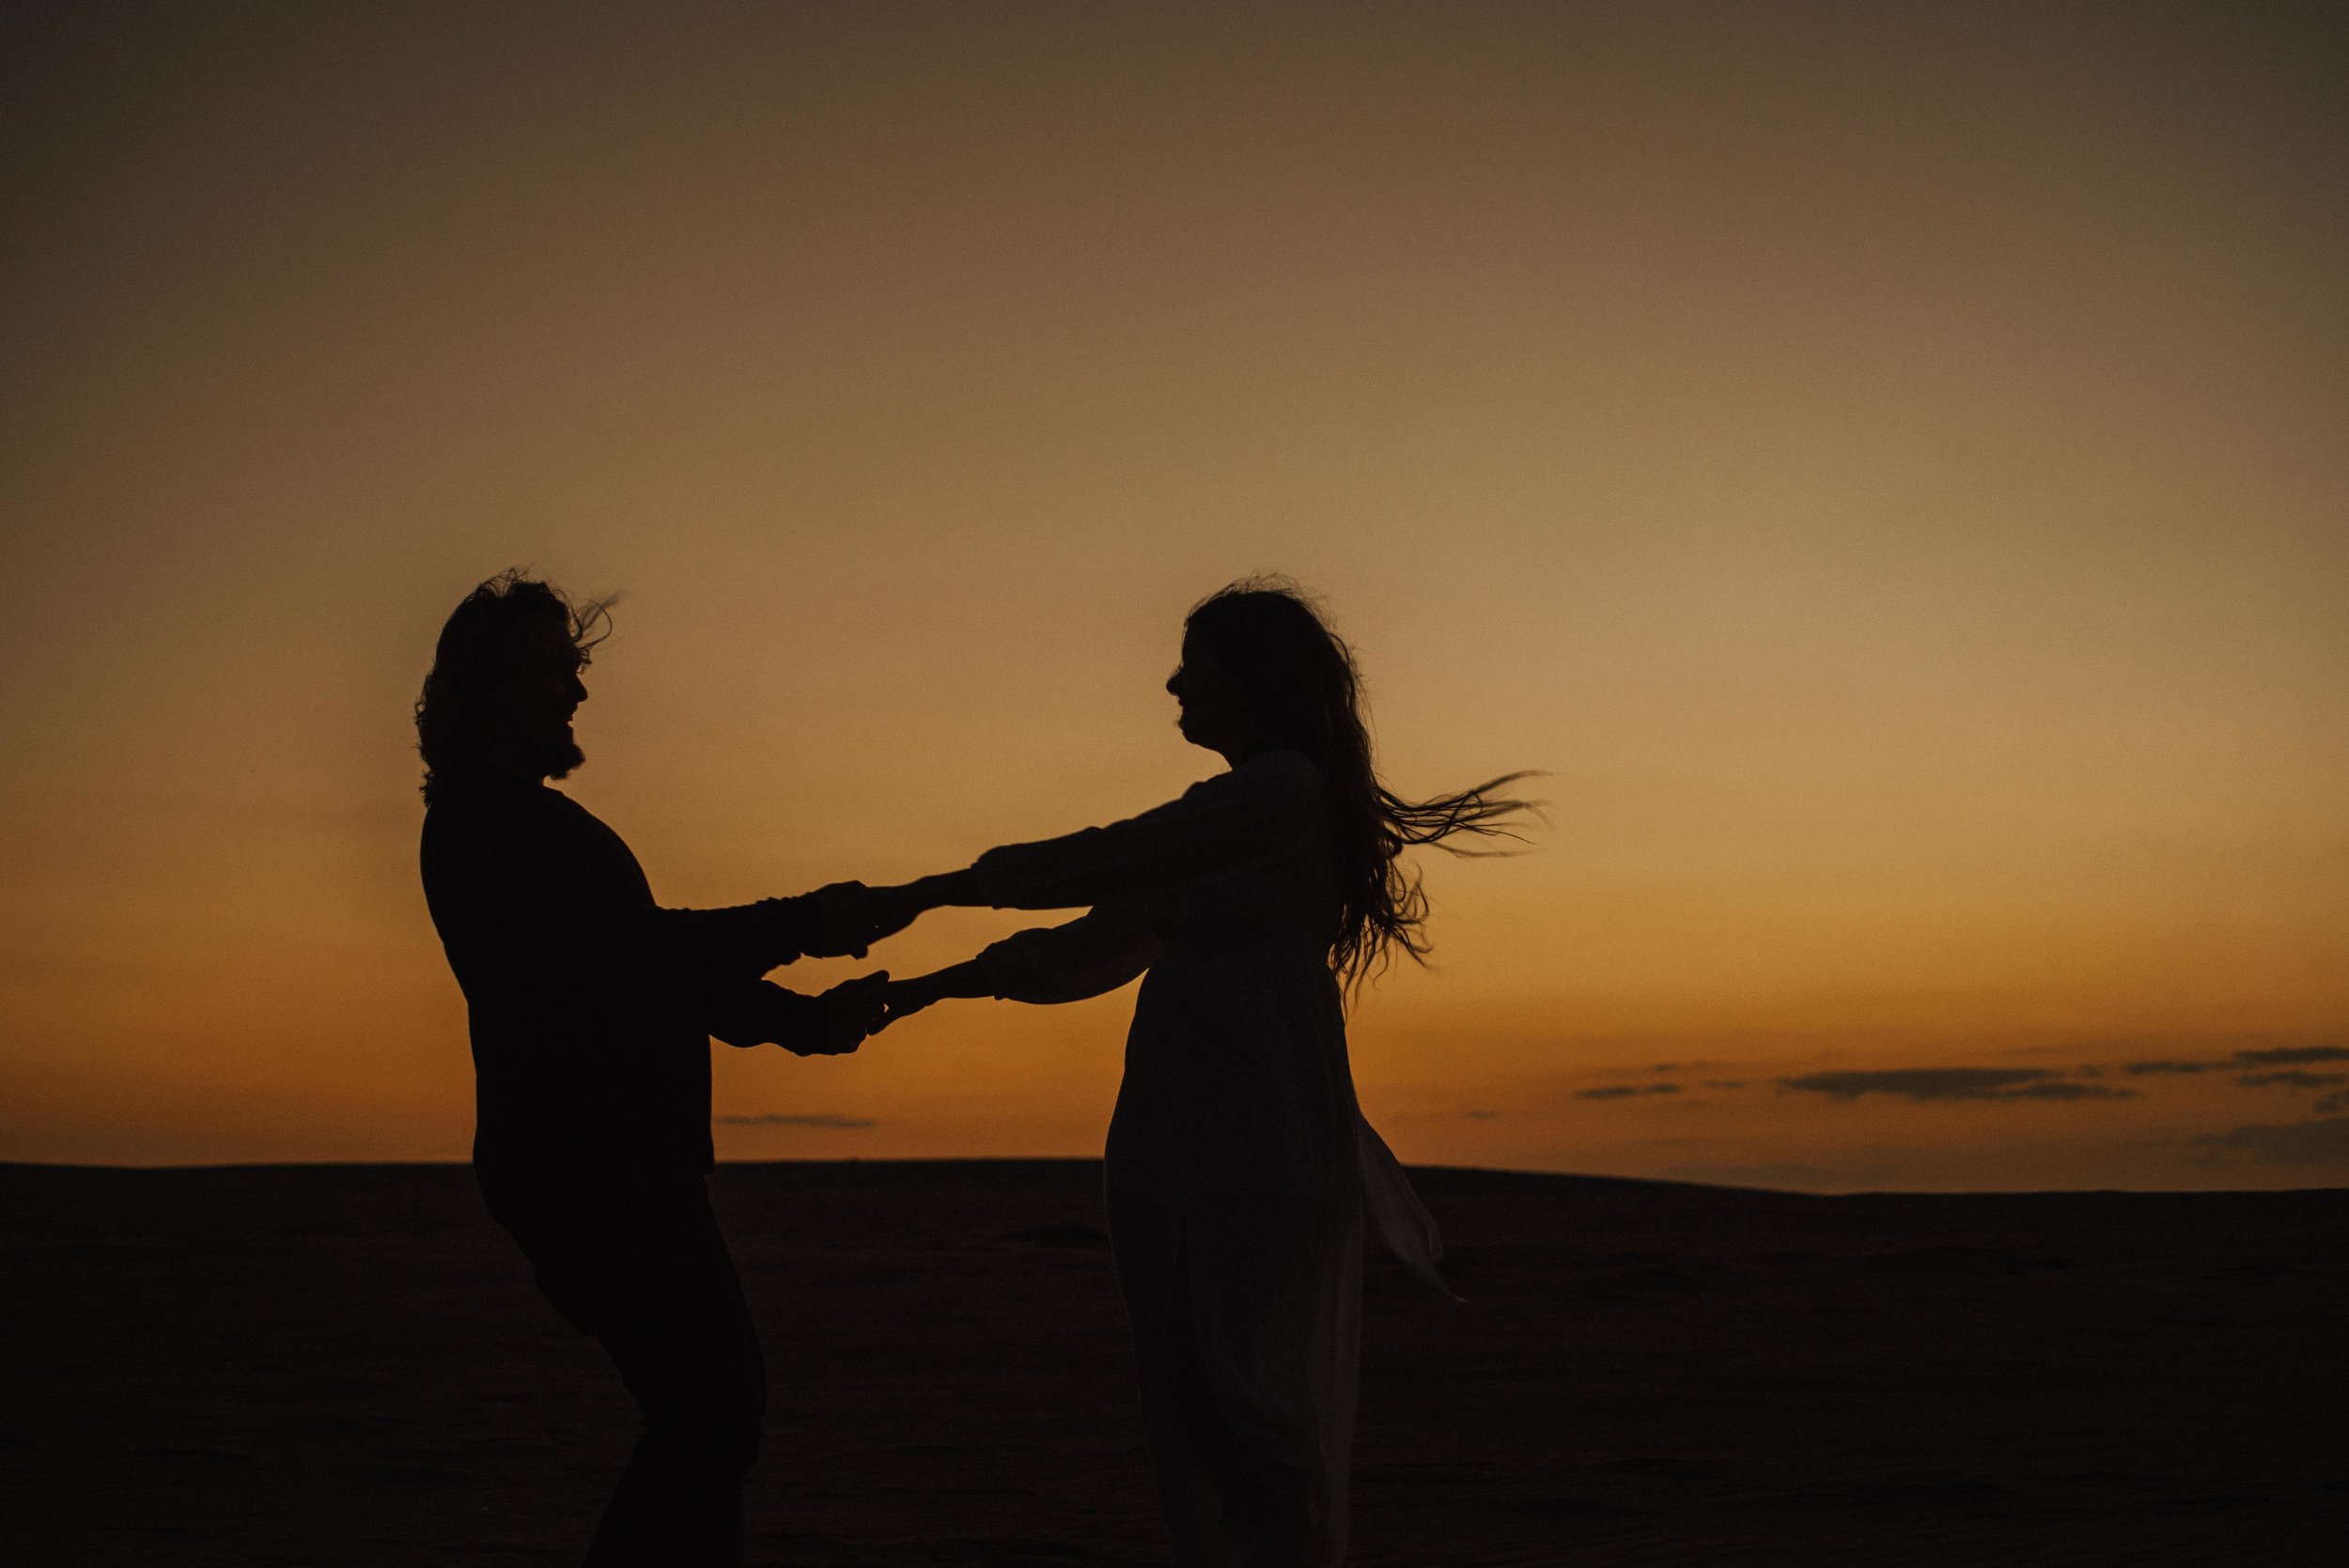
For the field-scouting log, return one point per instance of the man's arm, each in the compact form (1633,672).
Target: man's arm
(761,1014)
(747,941)
(713,946)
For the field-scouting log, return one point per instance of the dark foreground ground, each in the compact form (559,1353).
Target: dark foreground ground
(347,1365)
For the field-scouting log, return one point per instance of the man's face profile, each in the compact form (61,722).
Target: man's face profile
(542,691)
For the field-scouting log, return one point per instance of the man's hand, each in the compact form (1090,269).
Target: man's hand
(852,1010)
(855,917)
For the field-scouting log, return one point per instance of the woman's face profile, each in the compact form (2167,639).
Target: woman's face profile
(1213,712)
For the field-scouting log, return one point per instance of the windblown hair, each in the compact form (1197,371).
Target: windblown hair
(461,717)
(1301,680)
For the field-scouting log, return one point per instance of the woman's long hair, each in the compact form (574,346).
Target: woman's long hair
(1300,677)
(461,715)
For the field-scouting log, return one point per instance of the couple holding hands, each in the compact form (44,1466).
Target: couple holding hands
(1240,1175)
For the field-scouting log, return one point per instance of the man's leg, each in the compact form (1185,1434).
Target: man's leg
(685,1346)
(645,1269)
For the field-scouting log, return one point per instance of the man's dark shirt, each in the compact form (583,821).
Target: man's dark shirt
(591,1008)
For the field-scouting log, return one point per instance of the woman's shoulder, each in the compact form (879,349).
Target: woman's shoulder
(1283,765)
(1284,777)
(1276,768)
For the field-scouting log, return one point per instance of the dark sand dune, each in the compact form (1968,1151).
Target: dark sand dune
(347,1365)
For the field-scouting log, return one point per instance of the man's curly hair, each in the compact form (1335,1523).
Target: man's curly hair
(461,716)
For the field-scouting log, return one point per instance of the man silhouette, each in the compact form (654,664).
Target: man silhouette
(591,1010)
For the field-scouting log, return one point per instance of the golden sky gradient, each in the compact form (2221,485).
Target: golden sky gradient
(1886,463)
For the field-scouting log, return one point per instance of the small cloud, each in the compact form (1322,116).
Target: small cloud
(2285,1055)
(2291,1078)
(2066,1091)
(1725,1084)
(1665,1067)
(2332,1104)
(2322,1142)
(1625,1091)
(1920,1083)
(777,1119)
(1480,1115)
(2278,1056)
(1954,1083)
(2090,1070)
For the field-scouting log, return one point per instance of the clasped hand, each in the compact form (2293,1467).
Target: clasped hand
(853,1009)
(856,1010)
(855,917)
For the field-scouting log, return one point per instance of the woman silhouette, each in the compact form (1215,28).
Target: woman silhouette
(1239,1166)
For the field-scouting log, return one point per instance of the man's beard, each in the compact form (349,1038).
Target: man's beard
(554,759)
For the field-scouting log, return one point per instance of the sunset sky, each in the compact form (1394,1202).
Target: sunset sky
(1888,463)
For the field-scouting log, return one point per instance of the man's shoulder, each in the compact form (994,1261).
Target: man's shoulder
(469,799)
(472,819)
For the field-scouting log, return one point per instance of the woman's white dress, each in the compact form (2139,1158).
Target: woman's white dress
(1236,1117)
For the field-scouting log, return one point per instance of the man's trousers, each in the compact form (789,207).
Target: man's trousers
(637,1260)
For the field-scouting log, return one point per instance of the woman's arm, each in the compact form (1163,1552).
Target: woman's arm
(1259,809)
(1083,958)
(948,890)
(903,997)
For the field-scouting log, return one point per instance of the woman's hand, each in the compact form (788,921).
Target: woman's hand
(902,999)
